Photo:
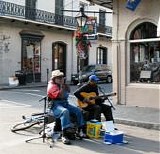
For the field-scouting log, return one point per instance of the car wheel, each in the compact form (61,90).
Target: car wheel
(109,79)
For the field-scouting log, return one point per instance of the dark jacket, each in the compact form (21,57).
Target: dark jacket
(86,88)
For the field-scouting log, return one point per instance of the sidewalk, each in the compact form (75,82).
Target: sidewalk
(129,115)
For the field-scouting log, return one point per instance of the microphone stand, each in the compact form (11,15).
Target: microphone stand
(43,136)
(102,91)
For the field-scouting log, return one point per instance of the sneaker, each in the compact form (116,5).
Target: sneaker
(80,135)
(70,130)
(85,136)
(65,140)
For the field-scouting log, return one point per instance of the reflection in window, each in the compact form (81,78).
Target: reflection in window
(145,56)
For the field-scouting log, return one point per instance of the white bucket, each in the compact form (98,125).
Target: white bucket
(13,81)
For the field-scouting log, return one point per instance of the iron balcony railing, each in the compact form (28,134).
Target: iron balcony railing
(23,12)
(104,29)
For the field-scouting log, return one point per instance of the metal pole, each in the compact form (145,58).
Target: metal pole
(79,72)
(47,74)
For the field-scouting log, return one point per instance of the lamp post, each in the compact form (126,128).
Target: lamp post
(81,21)
(82,18)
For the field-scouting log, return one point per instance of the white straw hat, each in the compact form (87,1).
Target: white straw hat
(57,73)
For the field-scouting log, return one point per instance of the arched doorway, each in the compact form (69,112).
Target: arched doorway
(59,56)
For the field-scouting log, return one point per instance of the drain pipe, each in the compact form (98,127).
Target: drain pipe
(118,59)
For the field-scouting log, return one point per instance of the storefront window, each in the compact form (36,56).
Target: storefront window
(145,54)
(31,55)
(31,59)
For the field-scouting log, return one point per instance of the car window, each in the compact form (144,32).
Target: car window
(88,68)
(102,67)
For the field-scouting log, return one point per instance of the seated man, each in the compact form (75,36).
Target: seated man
(58,93)
(85,95)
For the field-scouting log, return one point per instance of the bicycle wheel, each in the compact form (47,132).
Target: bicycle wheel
(24,126)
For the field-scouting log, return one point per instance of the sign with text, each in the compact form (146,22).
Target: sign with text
(145,75)
(90,28)
(132,4)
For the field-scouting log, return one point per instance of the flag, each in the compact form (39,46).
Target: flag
(132,4)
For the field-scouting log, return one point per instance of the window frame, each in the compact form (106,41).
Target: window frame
(144,39)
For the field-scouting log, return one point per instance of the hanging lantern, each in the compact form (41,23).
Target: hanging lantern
(81,19)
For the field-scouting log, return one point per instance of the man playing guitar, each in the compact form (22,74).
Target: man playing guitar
(89,100)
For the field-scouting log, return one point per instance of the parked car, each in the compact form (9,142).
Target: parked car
(102,71)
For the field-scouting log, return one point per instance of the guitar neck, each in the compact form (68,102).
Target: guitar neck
(104,96)
(107,95)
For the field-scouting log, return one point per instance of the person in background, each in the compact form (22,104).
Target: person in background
(95,107)
(58,93)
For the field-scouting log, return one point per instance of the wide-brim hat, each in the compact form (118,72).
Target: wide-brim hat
(57,73)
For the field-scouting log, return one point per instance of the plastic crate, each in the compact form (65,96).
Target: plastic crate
(93,129)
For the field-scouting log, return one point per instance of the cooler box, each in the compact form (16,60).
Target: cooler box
(114,137)
(93,129)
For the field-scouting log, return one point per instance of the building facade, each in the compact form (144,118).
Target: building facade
(136,51)
(37,37)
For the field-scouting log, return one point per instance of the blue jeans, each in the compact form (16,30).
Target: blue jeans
(62,109)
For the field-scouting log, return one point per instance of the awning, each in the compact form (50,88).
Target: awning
(104,3)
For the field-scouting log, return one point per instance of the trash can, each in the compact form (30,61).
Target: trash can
(21,77)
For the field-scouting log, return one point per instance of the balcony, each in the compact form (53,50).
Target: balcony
(22,12)
(104,30)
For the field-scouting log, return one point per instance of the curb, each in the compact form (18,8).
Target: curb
(154,126)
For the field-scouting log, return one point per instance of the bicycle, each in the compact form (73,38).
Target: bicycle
(34,119)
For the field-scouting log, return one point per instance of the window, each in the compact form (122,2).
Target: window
(31,55)
(30,9)
(102,21)
(102,18)
(59,56)
(59,12)
(144,54)
(101,57)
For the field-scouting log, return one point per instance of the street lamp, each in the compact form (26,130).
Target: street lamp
(81,21)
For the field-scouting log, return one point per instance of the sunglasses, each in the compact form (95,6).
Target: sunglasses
(59,77)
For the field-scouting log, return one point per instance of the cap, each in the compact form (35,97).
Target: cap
(93,78)
(57,73)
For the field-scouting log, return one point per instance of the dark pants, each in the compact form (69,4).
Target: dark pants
(57,127)
(94,112)
(107,111)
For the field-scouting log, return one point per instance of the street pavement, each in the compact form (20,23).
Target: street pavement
(123,114)
(140,140)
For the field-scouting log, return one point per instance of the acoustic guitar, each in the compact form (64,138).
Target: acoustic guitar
(92,97)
